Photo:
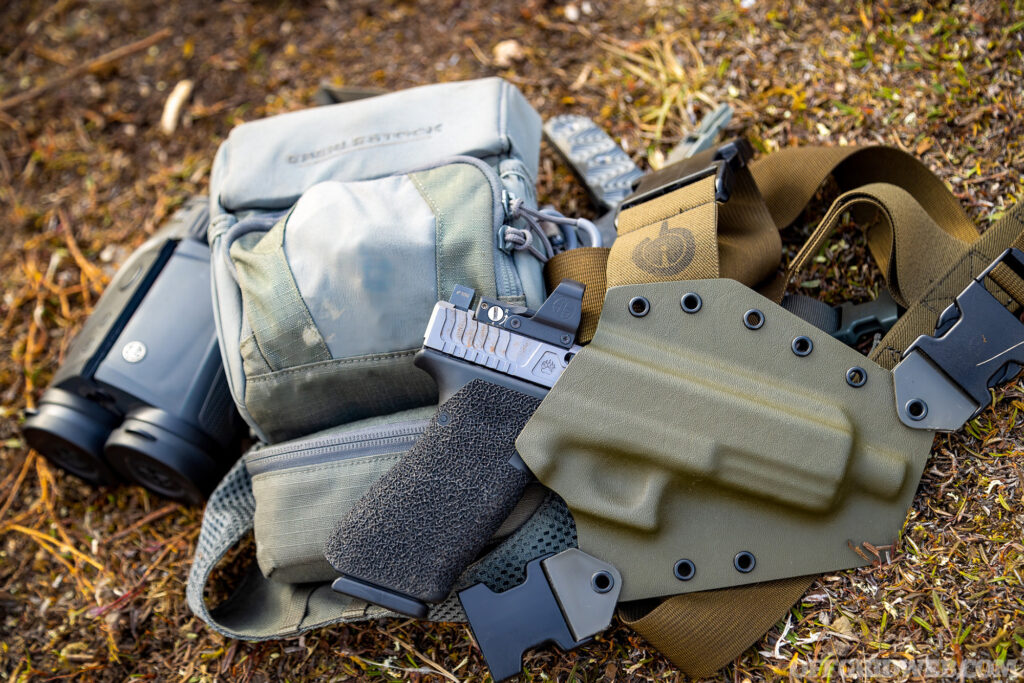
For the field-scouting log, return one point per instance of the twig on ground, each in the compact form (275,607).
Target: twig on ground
(81,69)
(13,495)
(434,665)
(151,517)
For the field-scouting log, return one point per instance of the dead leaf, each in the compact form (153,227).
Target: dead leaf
(508,51)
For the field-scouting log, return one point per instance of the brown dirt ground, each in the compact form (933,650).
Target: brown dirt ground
(92,581)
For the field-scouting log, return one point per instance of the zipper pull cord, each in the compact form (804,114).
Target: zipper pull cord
(522,238)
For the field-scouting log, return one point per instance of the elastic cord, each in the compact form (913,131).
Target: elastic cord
(524,238)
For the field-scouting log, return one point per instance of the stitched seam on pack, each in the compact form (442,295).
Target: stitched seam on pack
(337,361)
(502,114)
(432,203)
(327,466)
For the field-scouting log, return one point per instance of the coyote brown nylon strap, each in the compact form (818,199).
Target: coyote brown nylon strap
(687,235)
(925,245)
(958,272)
(684,235)
(693,632)
(587,265)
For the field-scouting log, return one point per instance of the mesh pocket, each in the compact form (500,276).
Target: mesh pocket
(549,530)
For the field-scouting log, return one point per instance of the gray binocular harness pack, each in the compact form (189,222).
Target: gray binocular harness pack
(334,233)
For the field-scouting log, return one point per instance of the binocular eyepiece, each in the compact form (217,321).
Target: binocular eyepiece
(142,394)
(71,431)
(149,446)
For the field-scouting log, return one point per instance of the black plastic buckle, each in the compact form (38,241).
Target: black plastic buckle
(944,380)
(729,158)
(857,321)
(566,599)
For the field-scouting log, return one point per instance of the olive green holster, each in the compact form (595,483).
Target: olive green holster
(711,444)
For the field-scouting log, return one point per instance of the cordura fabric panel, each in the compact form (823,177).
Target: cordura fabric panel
(282,327)
(461,204)
(299,507)
(356,249)
(291,402)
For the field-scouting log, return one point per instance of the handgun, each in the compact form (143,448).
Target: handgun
(407,540)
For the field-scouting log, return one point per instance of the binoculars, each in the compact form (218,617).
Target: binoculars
(142,394)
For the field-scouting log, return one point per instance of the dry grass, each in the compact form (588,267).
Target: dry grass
(92,581)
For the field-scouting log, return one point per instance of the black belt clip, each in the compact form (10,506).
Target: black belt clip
(566,599)
(727,159)
(944,379)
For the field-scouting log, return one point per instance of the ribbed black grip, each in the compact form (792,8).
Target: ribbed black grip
(428,518)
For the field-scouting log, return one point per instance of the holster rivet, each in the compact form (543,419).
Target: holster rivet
(602,582)
(916,409)
(639,306)
(691,302)
(802,346)
(744,561)
(753,319)
(684,570)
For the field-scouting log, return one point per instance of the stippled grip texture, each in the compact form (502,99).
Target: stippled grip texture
(428,518)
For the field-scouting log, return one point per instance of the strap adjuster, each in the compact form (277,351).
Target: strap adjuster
(944,379)
(728,158)
(857,321)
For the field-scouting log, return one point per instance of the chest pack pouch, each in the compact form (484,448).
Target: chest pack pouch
(292,494)
(335,229)
(334,232)
(721,450)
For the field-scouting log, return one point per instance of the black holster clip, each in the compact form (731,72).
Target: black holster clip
(944,379)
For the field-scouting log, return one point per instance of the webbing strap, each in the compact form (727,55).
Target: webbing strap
(707,630)
(957,273)
(926,246)
(913,208)
(1003,275)
(673,237)
(687,235)
(587,265)
(818,313)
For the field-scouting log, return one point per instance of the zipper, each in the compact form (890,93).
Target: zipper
(327,449)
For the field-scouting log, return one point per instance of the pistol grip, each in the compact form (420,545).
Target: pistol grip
(427,519)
